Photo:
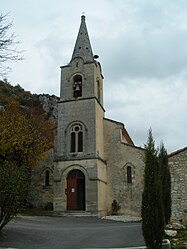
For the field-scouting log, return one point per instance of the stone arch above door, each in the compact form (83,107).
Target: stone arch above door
(75,190)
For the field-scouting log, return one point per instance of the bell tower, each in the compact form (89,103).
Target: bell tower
(80,167)
(83,74)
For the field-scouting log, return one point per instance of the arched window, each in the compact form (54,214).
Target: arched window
(76,139)
(129,175)
(47,178)
(77,86)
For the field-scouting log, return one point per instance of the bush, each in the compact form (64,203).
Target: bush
(115,207)
(49,206)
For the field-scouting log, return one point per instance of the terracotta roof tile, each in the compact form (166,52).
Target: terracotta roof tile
(177,152)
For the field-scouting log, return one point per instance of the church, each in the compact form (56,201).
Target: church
(95,161)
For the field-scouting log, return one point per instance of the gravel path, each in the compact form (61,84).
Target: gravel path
(122,218)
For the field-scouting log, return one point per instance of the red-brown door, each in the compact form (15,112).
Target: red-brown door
(71,194)
(75,190)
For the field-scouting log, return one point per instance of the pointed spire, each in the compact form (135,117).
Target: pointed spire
(83,47)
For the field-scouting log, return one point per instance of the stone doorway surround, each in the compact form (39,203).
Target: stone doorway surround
(75,190)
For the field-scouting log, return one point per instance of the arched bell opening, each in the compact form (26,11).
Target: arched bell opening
(77,86)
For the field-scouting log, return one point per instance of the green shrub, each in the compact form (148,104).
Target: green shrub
(115,207)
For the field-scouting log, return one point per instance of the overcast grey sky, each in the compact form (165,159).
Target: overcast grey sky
(142,45)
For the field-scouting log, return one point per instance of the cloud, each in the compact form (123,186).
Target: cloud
(145,47)
(142,104)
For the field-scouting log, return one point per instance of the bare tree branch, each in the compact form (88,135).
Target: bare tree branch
(8,46)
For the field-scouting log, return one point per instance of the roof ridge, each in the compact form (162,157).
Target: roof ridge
(177,151)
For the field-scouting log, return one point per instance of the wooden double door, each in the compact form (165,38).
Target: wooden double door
(75,190)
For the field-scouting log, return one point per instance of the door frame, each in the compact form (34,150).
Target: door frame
(73,188)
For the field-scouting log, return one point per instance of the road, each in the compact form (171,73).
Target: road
(69,233)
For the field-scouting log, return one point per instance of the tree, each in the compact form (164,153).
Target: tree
(152,210)
(166,182)
(8,45)
(24,134)
(24,137)
(14,189)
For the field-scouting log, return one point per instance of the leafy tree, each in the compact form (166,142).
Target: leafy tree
(8,49)
(24,137)
(152,210)
(166,182)
(13,190)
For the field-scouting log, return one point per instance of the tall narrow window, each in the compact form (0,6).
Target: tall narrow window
(80,141)
(47,178)
(77,86)
(73,142)
(129,174)
(98,91)
(76,139)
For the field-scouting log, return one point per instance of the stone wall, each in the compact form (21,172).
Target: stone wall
(178,170)
(43,191)
(120,155)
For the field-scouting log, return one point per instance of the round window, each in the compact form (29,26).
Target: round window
(76,128)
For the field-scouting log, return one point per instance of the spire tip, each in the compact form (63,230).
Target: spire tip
(83,17)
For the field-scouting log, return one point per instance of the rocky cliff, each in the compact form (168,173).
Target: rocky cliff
(44,101)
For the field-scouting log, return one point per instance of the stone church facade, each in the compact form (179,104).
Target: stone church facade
(95,160)
(94,154)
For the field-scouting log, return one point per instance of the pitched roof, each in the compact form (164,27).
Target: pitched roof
(177,152)
(124,131)
(83,47)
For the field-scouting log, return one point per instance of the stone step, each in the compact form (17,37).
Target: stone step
(74,213)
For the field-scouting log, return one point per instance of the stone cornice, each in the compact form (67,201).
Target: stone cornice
(81,99)
(65,158)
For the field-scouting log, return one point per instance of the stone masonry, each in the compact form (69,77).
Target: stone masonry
(178,169)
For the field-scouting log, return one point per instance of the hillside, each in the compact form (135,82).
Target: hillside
(44,101)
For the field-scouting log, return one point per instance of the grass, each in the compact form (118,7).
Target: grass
(180,241)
